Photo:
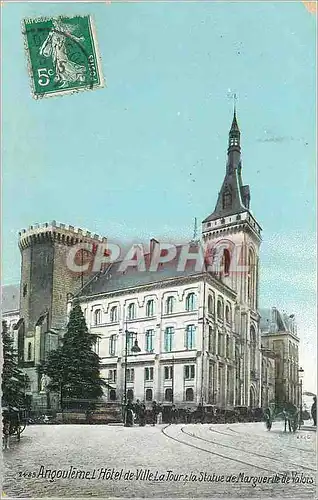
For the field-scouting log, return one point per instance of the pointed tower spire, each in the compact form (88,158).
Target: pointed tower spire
(234,198)
(234,135)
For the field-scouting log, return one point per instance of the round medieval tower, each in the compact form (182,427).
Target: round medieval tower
(46,285)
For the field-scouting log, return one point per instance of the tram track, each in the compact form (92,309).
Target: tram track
(242,462)
(261,436)
(245,451)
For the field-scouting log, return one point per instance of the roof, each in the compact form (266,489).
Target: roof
(233,198)
(10,298)
(273,321)
(114,278)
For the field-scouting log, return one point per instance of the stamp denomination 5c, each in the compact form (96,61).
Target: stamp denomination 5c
(62,55)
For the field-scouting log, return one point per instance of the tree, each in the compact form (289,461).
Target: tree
(74,368)
(13,379)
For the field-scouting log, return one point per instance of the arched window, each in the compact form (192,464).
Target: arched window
(170,305)
(189,394)
(226,261)
(190,302)
(114,314)
(131,311)
(112,395)
(168,395)
(210,304)
(150,308)
(130,395)
(148,394)
(228,315)
(97,317)
(220,309)
(29,351)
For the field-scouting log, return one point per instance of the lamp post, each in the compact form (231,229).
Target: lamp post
(301,374)
(135,349)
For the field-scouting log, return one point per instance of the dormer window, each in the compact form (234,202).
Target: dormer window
(227,199)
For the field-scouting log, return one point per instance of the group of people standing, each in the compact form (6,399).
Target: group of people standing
(137,413)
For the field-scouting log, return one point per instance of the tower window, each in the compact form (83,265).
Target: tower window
(226,261)
(25,289)
(227,199)
(29,351)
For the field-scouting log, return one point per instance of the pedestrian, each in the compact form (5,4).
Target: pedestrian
(314,411)
(137,410)
(159,414)
(142,415)
(174,414)
(129,415)
(6,434)
(154,413)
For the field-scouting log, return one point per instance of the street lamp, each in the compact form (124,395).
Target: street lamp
(301,374)
(134,349)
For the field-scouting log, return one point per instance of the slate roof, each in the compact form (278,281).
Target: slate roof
(232,183)
(10,298)
(268,323)
(114,279)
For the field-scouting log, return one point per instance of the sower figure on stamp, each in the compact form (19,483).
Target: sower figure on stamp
(66,71)
(314,411)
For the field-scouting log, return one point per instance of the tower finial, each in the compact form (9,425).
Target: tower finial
(195,230)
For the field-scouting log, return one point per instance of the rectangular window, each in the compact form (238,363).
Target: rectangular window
(190,337)
(131,337)
(150,308)
(130,374)
(189,372)
(169,332)
(211,339)
(112,376)
(149,373)
(168,372)
(112,345)
(169,305)
(149,340)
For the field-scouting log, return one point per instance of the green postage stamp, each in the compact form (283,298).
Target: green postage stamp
(62,55)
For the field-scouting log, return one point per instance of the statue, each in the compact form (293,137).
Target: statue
(44,382)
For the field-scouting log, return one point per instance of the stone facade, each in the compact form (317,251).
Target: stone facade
(191,352)
(46,283)
(280,340)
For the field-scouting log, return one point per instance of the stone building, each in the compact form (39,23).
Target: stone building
(46,282)
(209,353)
(10,305)
(280,344)
(198,328)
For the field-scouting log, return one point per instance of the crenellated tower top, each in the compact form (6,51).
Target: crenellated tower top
(56,232)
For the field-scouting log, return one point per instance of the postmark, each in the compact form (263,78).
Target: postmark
(63,55)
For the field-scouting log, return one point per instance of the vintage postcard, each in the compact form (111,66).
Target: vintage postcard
(158,294)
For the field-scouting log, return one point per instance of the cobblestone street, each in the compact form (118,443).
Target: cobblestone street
(193,453)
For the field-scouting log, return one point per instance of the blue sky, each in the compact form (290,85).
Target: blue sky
(144,156)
